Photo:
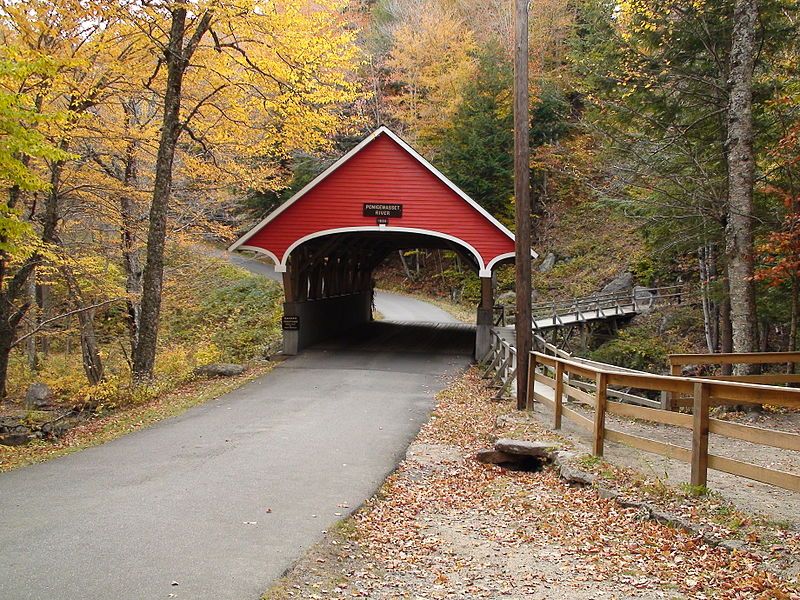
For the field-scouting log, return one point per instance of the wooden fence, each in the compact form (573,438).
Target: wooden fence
(560,374)
(500,363)
(678,361)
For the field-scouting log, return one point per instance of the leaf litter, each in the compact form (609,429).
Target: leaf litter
(445,526)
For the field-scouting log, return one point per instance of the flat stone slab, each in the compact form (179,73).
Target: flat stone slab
(524,448)
(573,475)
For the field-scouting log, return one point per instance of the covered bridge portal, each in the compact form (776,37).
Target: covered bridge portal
(378,198)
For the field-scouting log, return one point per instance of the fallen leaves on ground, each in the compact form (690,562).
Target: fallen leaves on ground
(446,526)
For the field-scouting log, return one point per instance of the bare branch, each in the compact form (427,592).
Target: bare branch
(46,322)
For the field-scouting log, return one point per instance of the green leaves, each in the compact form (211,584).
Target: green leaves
(20,136)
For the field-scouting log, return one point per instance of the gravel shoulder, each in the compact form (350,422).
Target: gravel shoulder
(749,496)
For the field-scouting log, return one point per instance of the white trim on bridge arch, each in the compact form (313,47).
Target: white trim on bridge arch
(506,256)
(262,251)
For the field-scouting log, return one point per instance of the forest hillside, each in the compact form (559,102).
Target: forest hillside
(665,144)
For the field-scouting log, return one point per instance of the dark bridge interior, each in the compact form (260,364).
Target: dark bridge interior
(343,263)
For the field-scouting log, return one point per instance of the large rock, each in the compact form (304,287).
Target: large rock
(507,299)
(15,439)
(38,396)
(620,283)
(510,298)
(573,475)
(543,450)
(643,297)
(548,263)
(219,370)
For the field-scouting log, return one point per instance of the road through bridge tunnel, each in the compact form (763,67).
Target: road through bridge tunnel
(380,197)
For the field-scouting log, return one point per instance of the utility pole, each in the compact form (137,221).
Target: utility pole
(522,195)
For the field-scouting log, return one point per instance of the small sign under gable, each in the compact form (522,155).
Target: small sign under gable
(382,210)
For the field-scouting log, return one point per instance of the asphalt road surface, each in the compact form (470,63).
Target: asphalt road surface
(222,499)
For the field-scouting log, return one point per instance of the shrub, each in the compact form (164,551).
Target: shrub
(221,312)
(634,349)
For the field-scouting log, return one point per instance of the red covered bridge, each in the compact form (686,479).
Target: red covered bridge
(380,197)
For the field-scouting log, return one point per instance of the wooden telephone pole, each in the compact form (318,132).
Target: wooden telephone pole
(522,195)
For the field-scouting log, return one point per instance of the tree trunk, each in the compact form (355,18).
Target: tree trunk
(30,343)
(177,57)
(11,290)
(793,325)
(145,353)
(92,363)
(741,175)
(6,341)
(130,253)
(709,321)
(405,265)
(10,317)
(90,351)
(725,329)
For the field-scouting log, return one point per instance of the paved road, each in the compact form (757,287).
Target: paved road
(225,497)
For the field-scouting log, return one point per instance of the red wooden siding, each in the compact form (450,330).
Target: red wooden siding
(382,171)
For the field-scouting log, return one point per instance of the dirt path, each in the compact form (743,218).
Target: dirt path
(445,526)
(750,496)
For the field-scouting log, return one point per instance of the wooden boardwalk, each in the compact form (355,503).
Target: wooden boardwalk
(566,321)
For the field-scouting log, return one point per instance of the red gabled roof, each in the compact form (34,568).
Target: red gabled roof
(381,169)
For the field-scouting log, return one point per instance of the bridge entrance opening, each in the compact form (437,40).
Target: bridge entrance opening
(379,198)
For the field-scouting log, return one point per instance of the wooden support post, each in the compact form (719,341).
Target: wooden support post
(289,285)
(599,414)
(487,299)
(531,381)
(700,434)
(484,319)
(522,196)
(668,398)
(558,395)
(494,354)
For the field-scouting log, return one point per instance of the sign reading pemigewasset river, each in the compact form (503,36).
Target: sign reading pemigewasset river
(382,210)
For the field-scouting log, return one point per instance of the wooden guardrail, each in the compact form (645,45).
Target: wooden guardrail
(702,392)
(500,363)
(678,361)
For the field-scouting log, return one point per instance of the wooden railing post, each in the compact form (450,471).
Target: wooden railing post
(668,398)
(600,414)
(558,394)
(531,381)
(700,434)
